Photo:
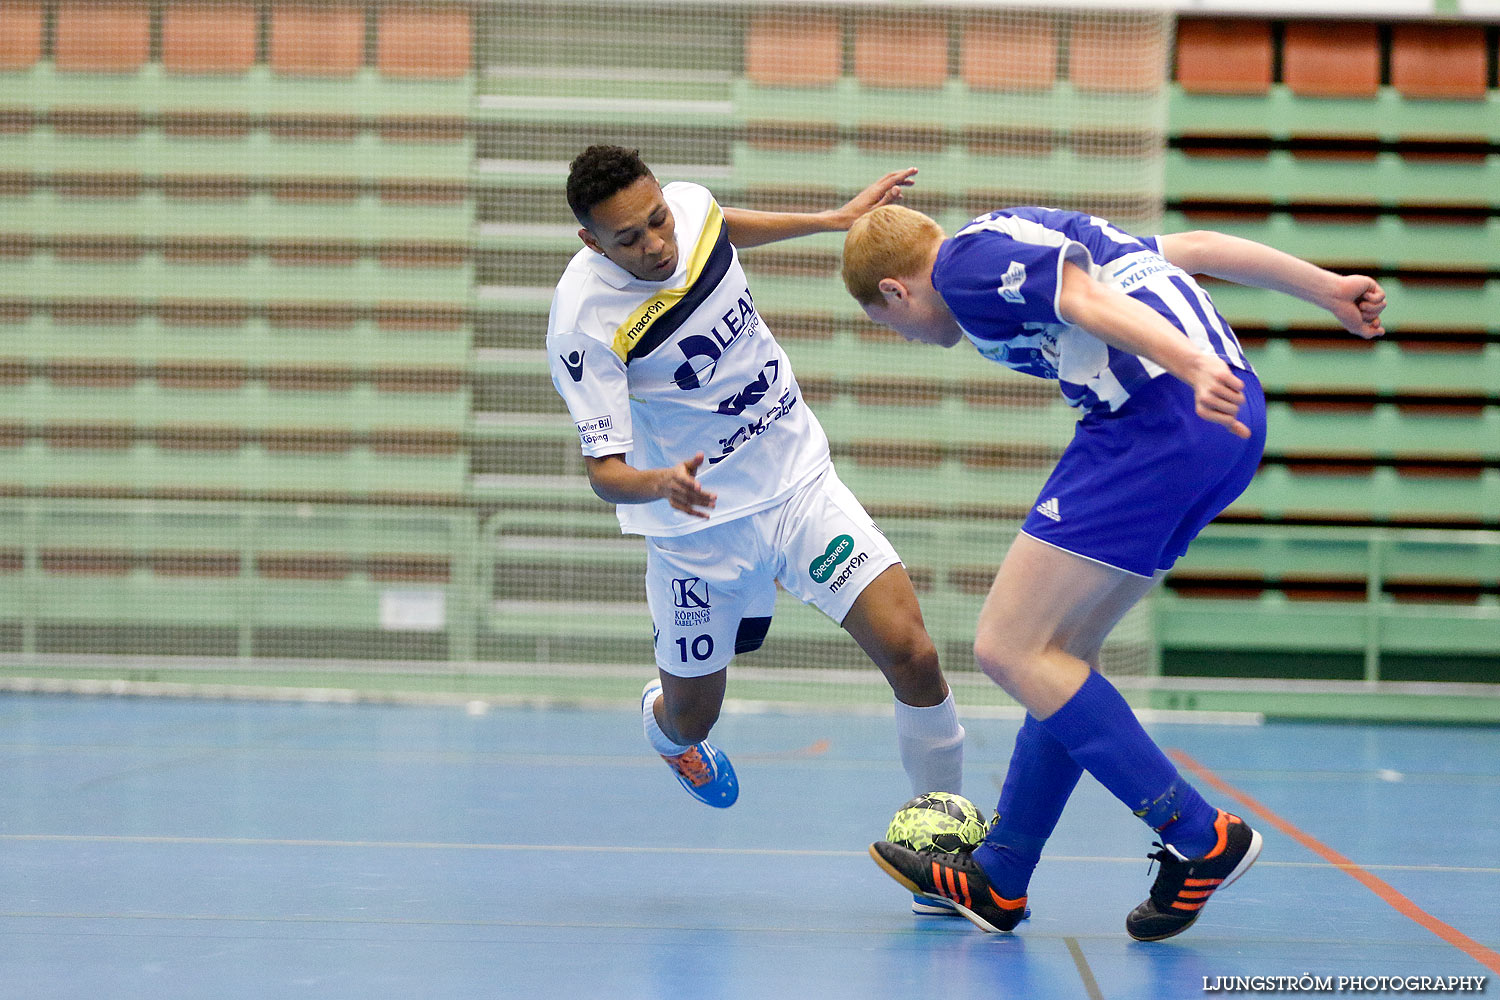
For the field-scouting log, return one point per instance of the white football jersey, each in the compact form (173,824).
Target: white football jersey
(661,370)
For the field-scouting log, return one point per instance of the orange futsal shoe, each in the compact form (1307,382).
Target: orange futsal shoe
(1183,885)
(954,877)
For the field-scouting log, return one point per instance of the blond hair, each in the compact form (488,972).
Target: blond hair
(892,241)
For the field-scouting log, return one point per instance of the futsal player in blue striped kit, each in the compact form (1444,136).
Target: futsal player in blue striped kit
(1171,431)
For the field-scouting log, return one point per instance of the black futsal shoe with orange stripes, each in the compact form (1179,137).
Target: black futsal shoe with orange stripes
(1183,885)
(954,877)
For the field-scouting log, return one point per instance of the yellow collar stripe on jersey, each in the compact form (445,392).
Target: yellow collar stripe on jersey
(654,308)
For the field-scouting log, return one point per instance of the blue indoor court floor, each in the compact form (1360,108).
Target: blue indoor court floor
(165,848)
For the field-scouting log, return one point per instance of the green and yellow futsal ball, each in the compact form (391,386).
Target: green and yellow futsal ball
(937,821)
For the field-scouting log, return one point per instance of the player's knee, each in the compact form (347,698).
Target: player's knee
(913,669)
(688,724)
(998,659)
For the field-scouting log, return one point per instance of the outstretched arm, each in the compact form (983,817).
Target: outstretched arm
(1354,300)
(749,228)
(616,481)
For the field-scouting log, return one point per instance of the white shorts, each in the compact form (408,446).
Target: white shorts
(712,592)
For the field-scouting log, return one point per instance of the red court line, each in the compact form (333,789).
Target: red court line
(817,748)
(1478,952)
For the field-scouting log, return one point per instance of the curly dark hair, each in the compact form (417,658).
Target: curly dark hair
(598,173)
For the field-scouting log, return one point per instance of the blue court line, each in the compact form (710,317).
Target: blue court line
(417,845)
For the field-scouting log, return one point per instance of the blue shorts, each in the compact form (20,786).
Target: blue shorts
(1134,487)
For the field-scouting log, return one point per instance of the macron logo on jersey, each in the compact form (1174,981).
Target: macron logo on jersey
(574,363)
(1011,282)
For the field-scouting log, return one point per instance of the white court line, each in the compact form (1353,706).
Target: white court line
(404,845)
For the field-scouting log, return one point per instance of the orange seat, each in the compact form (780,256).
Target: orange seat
(20,35)
(910,51)
(431,41)
(317,39)
(1331,59)
(101,37)
(1120,54)
(1224,56)
(1008,52)
(217,39)
(794,50)
(1439,61)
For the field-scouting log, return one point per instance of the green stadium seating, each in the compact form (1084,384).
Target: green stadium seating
(1385,430)
(259,154)
(1282,178)
(1385,241)
(356,402)
(1373,495)
(260,214)
(260,279)
(1424,305)
(1283,114)
(1374,593)
(83,330)
(259,91)
(1382,367)
(228,578)
(219,462)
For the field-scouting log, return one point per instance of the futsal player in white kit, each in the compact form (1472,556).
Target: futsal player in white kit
(1171,432)
(691,421)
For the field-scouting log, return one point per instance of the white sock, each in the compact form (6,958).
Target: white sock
(932,746)
(654,735)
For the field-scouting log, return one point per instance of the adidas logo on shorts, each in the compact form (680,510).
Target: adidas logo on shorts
(1048,508)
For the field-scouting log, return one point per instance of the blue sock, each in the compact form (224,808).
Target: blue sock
(1041,777)
(1103,735)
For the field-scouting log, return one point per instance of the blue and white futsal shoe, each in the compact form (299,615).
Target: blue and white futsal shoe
(927,906)
(703,769)
(924,906)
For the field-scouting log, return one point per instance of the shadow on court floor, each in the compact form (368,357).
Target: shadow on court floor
(171,849)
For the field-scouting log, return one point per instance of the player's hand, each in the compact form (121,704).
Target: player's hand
(882,192)
(1218,394)
(1357,303)
(681,489)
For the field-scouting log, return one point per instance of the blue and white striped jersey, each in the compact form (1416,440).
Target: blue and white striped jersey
(1001,275)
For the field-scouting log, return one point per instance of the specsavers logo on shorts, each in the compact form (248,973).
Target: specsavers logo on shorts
(837,552)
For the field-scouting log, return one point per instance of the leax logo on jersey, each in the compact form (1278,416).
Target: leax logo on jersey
(703,352)
(695,372)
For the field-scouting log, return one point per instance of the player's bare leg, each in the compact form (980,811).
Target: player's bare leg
(689,706)
(1041,775)
(678,713)
(887,623)
(1043,604)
